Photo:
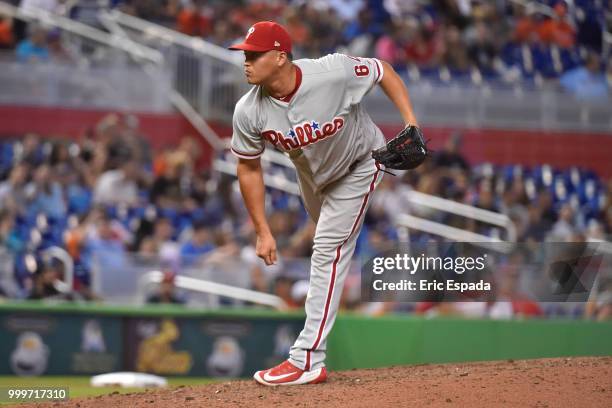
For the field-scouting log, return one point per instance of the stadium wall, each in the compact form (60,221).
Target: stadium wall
(393,340)
(85,339)
(527,147)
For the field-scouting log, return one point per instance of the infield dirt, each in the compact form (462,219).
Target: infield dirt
(557,382)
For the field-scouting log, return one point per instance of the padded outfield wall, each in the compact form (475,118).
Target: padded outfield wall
(70,339)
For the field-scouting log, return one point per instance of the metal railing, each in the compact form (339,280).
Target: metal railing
(208,77)
(275,181)
(7,278)
(532,7)
(126,278)
(119,85)
(468,106)
(206,81)
(213,288)
(65,285)
(406,220)
(464,210)
(68,85)
(80,29)
(179,100)
(100,71)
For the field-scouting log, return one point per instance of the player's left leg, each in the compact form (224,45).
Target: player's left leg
(339,223)
(340,220)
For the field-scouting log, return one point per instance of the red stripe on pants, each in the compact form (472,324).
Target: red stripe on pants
(330,291)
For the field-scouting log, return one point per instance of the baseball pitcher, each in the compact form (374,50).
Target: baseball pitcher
(311,109)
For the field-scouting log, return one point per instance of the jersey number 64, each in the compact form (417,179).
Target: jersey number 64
(362,70)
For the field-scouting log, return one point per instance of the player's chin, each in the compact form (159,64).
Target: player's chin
(252,80)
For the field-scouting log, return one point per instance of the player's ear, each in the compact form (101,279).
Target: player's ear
(282,58)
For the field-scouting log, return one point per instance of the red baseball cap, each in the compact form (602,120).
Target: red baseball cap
(265,36)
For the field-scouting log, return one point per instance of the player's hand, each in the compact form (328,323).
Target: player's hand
(266,248)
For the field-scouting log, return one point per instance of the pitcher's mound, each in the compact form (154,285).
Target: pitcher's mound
(555,382)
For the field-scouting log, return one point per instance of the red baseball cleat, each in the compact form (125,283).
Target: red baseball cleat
(287,374)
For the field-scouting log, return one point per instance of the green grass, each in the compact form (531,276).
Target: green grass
(79,386)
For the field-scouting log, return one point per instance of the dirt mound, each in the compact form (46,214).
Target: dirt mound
(558,382)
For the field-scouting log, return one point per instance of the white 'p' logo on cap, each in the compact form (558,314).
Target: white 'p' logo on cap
(276,44)
(251,31)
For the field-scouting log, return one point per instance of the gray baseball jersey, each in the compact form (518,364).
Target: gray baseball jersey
(323,121)
(329,137)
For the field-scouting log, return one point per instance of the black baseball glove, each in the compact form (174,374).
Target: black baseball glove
(405,151)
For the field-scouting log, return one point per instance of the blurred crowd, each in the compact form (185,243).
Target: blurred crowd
(545,41)
(545,205)
(114,206)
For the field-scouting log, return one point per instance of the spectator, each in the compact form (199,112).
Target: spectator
(45,194)
(361,33)
(298,30)
(161,240)
(166,191)
(76,190)
(222,34)
(525,26)
(34,49)
(346,10)
(6,33)
(30,151)
(283,286)
(195,19)
(481,48)
(45,281)
(56,47)
(12,194)
(600,305)
(510,300)
(450,156)
(455,55)
(563,229)
(389,47)
(104,246)
(558,30)
(587,82)
(118,186)
(299,291)
(199,244)
(545,204)
(9,238)
(425,48)
(400,9)
(167,291)
(486,197)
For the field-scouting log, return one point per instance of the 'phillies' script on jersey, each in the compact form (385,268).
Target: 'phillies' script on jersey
(304,134)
